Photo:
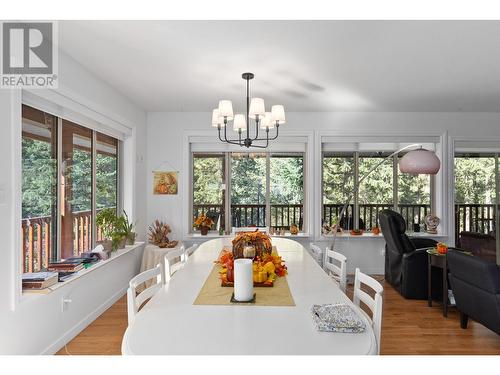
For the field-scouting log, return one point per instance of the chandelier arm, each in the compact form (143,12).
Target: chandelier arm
(271,139)
(232,141)
(256,130)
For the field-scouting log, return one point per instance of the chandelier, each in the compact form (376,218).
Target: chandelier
(241,123)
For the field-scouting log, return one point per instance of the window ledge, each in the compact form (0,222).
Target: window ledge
(193,236)
(371,235)
(82,273)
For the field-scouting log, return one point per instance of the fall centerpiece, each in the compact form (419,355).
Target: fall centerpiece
(203,223)
(251,244)
(266,268)
(158,235)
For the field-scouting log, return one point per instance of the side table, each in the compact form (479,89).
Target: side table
(437,260)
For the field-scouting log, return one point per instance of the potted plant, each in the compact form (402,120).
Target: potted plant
(203,223)
(119,236)
(106,222)
(128,228)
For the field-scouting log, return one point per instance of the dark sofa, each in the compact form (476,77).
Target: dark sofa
(476,286)
(481,245)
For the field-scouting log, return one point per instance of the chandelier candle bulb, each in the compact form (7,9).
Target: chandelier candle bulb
(243,280)
(278,114)
(239,122)
(265,121)
(257,108)
(216,119)
(226,109)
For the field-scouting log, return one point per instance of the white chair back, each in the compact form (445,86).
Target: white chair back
(316,252)
(190,250)
(335,265)
(134,300)
(173,261)
(374,304)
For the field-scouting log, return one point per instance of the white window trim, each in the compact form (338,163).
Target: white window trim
(68,108)
(441,190)
(210,138)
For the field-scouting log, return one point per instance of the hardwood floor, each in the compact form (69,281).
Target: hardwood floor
(408,327)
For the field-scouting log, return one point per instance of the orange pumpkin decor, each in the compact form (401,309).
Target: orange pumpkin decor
(442,248)
(376,230)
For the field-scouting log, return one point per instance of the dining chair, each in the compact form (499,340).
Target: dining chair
(190,250)
(134,300)
(336,266)
(316,253)
(173,261)
(373,303)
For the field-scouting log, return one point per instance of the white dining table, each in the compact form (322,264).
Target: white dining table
(171,324)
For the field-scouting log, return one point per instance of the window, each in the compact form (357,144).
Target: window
(263,189)
(475,192)
(248,190)
(39,189)
(58,211)
(286,190)
(76,190)
(209,187)
(376,190)
(385,188)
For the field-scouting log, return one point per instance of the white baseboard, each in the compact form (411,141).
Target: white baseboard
(84,323)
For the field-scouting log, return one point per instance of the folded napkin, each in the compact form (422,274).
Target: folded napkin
(337,317)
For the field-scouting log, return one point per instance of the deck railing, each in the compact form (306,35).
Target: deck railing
(37,234)
(37,239)
(245,215)
(368,214)
(474,218)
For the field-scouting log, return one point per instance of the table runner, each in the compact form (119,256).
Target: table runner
(212,293)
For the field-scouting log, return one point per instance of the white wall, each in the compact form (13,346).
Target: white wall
(165,144)
(36,324)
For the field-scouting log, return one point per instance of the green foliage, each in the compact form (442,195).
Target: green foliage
(287,180)
(248,179)
(106,220)
(378,186)
(475,180)
(39,178)
(207,180)
(338,178)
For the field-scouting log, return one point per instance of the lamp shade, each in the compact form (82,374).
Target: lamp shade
(226,109)
(265,121)
(256,108)
(239,122)
(216,119)
(278,114)
(420,161)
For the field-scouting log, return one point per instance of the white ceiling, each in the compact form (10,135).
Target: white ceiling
(304,65)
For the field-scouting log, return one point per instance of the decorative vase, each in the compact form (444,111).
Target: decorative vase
(122,243)
(131,238)
(204,230)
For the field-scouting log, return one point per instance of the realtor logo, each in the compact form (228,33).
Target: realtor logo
(29,55)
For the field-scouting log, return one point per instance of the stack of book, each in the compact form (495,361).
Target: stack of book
(66,266)
(39,281)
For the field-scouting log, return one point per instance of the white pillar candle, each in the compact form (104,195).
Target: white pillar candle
(243,279)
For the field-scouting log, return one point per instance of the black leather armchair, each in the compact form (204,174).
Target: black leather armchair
(476,287)
(406,259)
